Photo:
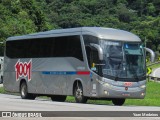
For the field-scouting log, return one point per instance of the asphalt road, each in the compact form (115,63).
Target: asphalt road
(15,103)
(156,73)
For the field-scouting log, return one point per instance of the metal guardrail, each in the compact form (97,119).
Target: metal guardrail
(153,63)
(155,79)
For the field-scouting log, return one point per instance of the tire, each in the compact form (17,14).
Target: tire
(24,92)
(1,80)
(78,94)
(118,101)
(58,98)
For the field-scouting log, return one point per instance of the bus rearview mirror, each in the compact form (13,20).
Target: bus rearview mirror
(151,53)
(99,49)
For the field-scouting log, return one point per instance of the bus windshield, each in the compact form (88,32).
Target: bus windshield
(122,60)
(134,58)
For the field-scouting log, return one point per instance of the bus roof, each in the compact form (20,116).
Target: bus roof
(101,32)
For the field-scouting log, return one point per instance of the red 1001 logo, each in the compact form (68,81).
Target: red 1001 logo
(23,69)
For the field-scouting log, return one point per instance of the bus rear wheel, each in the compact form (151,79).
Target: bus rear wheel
(78,94)
(118,101)
(59,98)
(24,92)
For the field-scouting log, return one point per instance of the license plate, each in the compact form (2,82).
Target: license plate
(127,84)
(125,94)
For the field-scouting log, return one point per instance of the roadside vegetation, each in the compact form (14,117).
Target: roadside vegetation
(154,66)
(152,96)
(2,90)
(19,17)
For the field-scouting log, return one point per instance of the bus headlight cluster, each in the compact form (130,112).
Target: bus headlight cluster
(142,94)
(107,85)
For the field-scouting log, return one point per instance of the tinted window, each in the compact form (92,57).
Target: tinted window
(69,46)
(90,51)
(90,39)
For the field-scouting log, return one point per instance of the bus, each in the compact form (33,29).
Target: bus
(84,62)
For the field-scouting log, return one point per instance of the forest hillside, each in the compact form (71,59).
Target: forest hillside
(142,17)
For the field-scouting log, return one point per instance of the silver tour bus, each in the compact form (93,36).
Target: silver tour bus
(86,62)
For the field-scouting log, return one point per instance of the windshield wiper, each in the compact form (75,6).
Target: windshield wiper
(134,73)
(136,77)
(118,69)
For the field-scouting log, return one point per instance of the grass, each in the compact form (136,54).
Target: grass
(5,92)
(155,66)
(152,97)
(2,90)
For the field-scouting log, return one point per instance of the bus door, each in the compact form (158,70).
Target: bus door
(94,65)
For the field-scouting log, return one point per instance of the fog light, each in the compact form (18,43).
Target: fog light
(105,92)
(142,94)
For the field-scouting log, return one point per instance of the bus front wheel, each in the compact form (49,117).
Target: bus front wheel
(118,101)
(24,92)
(78,94)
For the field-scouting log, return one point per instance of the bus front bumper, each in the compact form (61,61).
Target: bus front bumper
(110,91)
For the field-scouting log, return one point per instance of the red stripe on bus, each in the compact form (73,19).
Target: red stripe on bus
(83,72)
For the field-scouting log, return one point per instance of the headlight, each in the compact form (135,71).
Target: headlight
(106,92)
(143,86)
(107,85)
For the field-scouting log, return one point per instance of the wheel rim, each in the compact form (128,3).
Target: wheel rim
(79,93)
